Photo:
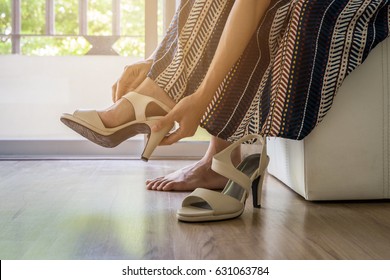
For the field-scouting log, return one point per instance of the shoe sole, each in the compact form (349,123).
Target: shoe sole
(107,141)
(197,219)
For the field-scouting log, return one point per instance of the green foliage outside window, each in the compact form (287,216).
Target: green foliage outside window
(5,26)
(33,16)
(66,39)
(66,17)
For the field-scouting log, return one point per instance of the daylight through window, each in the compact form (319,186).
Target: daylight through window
(79,27)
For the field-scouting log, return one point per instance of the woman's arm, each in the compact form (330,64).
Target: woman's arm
(241,24)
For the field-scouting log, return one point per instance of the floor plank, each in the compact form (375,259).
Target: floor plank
(101,210)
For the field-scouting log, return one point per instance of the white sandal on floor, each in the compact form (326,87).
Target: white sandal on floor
(88,124)
(207,205)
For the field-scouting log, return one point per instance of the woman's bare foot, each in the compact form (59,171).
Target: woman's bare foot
(122,111)
(198,175)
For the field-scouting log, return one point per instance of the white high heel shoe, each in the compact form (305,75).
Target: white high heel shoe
(88,124)
(207,205)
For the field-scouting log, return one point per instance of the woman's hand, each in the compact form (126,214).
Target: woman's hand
(188,113)
(241,24)
(132,76)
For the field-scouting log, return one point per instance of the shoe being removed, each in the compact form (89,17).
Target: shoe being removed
(88,124)
(207,205)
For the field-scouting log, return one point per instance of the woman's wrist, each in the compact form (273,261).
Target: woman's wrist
(201,101)
(206,90)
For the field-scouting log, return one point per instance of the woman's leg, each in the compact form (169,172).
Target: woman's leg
(122,111)
(180,64)
(188,178)
(197,175)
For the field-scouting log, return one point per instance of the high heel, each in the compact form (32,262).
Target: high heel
(207,205)
(153,140)
(257,190)
(88,124)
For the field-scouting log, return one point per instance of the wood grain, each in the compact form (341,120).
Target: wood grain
(101,210)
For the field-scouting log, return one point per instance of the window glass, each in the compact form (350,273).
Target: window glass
(66,17)
(99,17)
(133,18)
(130,47)
(33,16)
(132,42)
(54,46)
(66,39)
(5,26)
(5,16)
(5,45)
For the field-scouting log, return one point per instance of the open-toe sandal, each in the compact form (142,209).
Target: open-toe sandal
(207,205)
(88,124)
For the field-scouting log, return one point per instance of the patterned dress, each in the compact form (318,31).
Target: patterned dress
(285,81)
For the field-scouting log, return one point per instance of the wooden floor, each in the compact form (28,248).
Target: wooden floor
(101,210)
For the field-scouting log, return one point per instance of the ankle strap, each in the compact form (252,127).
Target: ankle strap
(222,163)
(140,102)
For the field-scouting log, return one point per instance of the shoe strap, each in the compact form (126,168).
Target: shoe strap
(140,102)
(218,202)
(91,117)
(222,163)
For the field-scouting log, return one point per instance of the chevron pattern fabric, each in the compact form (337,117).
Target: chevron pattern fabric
(285,81)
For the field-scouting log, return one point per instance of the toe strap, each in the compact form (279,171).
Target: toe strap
(218,202)
(91,117)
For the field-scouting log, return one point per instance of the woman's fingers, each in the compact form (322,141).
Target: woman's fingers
(185,129)
(172,138)
(132,76)
(158,125)
(163,122)
(126,84)
(186,115)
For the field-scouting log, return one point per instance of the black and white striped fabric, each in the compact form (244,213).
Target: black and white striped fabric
(285,82)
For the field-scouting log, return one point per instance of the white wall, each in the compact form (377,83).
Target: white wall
(35,91)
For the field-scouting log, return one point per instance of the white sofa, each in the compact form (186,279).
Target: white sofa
(347,156)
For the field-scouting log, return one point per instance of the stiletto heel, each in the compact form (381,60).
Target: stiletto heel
(257,189)
(89,125)
(153,140)
(255,193)
(206,205)
(257,185)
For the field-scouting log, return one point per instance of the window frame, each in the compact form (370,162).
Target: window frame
(151,27)
(43,148)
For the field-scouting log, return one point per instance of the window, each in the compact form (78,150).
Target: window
(43,31)
(79,27)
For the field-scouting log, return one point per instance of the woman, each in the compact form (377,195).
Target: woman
(269,67)
(232,24)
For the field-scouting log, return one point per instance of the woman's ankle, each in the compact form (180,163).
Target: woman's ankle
(122,111)
(119,113)
(216,145)
(150,88)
